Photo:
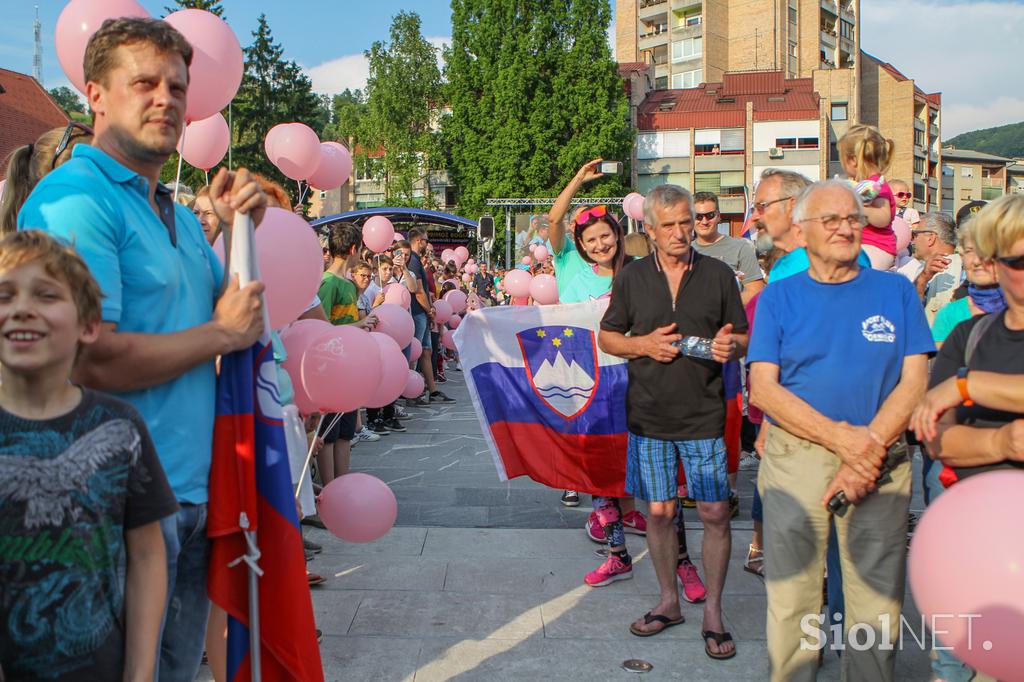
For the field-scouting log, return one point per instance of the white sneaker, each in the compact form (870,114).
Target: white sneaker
(365,434)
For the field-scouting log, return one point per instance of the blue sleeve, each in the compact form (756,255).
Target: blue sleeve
(766,342)
(919,334)
(76,216)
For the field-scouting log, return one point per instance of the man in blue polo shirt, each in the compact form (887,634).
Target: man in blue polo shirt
(166,310)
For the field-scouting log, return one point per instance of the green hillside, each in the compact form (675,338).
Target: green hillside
(1007,140)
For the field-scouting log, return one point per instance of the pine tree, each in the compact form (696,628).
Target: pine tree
(403,96)
(212,6)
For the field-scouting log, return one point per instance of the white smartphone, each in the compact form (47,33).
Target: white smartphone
(611,167)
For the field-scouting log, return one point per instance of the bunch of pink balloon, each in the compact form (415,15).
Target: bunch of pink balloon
(378,233)
(448,256)
(341,369)
(633,205)
(517,283)
(296,338)
(985,581)
(462,253)
(333,168)
(358,507)
(457,300)
(544,289)
(294,148)
(204,143)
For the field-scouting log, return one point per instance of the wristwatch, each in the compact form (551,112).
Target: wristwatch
(961,385)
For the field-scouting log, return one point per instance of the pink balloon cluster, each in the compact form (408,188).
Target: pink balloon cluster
(633,205)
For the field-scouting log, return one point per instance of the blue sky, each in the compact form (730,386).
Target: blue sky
(964,48)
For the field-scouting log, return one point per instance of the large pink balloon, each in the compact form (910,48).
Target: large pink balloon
(527,260)
(77,22)
(396,322)
(447,255)
(341,368)
(413,385)
(334,167)
(415,350)
(204,143)
(633,205)
(271,138)
(541,253)
(442,311)
(902,229)
(296,338)
(447,340)
(517,283)
(454,321)
(398,294)
(976,516)
(358,507)
(393,371)
(378,233)
(217,62)
(544,289)
(466,277)
(457,300)
(462,253)
(295,150)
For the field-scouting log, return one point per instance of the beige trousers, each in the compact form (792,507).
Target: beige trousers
(872,551)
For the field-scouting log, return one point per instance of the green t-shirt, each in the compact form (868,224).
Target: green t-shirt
(577,281)
(339,298)
(949,316)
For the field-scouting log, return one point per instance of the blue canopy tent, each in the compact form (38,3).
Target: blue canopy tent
(445,229)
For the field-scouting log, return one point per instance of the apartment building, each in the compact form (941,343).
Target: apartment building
(719,137)
(692,41)
(968,176)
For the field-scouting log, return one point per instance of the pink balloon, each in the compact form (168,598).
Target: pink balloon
(520,300)
(77,22)
(471,261)
(398,294)
(358,507)
(633,205)
(396,322)
(442,311)
(533,247)
(517,283)
(541,254)
(413,384)
(271,138)
(457,299)
(544,289)
(902,229)
(526,260)
(398,237)
(334,167)
(378,233)
(204,143)
(415,350)
(295,150)
(462,252)
(454,321)
(296,338)
(285,250)
(466,277)
(217,62)
(393,371)
(447,340)
(986,577)
(340,369)
(447,255)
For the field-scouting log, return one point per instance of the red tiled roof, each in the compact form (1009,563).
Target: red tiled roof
(723,105)
(626,68)
(26,112)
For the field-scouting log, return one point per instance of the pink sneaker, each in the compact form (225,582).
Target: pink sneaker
(611,570)
(693,589)
(634,522)
(594,529)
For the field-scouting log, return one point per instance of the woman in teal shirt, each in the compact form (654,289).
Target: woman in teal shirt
(983,292)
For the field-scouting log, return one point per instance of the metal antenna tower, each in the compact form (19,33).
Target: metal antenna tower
(37,59)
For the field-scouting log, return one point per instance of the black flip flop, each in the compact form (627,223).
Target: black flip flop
(650,618)
(720,638)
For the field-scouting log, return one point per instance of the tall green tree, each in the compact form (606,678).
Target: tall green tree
(403,99)
(212,6)
(347,111)
(534,93)
(68,100)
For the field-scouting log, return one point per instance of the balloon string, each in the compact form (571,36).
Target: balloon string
(312,446)
(207,174)
(177,178)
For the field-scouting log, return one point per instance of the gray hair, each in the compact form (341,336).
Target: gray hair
(792,183)
(665,195)
(800,210)
(941,224)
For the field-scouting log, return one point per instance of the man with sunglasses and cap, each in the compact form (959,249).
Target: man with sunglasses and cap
(738,254)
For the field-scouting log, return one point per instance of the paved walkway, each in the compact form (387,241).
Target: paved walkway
(483,580)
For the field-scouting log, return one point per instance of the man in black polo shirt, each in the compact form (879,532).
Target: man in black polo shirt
(675,404)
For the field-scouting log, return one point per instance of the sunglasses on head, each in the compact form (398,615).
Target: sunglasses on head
(1012,262)
(65,139)
(705,216)
(592,214)
(903,195)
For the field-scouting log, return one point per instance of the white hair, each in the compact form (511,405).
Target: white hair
(800,209)
(665,195)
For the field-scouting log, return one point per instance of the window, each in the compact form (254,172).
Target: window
(846,29)
(686,49)
(839,111)
(792,15)
(984,172)
(661,83)
(947,171)
(919,138)
(807,143)
(919,166)
(966,172)
(918,192)
(693,20)
(833,151)
(785,142)
(687,79)
(792,54)
(947,194)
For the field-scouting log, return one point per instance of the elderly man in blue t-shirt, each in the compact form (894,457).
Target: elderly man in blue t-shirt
(167,312)
(838,361)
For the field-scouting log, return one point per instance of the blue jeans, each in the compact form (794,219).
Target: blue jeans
(184,628)
(421,324)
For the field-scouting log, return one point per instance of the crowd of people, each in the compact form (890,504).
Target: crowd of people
(108,285)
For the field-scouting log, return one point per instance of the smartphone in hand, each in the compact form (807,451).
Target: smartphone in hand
(611,167)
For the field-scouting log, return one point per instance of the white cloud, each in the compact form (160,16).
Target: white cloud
(351,71)
(965,49)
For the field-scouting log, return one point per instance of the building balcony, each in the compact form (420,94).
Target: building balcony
(732,204)
(653,39)
(650,8)
(933,156)
(846,45)
(919,124)
(684,5)
(683,32)
(933,183)
(919,151)
(830,6)
(828,39)
(990,193)
(720,162)
(933,131)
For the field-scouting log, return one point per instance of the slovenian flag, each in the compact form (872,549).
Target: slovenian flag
(551,404)
(253,523)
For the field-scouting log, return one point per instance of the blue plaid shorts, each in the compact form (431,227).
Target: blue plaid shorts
(652,468)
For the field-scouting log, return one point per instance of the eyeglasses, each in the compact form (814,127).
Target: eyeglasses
(914,233)
(831,222)
(705,216)
(591,213)
(903,195)
(1012,262)
(760,206)
(65,139)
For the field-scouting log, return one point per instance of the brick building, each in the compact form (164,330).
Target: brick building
(26,112)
